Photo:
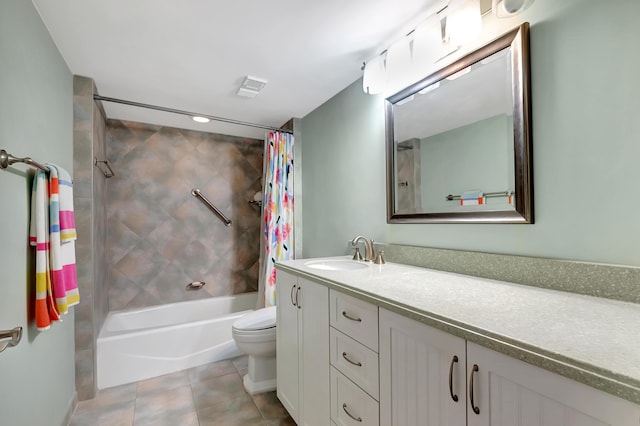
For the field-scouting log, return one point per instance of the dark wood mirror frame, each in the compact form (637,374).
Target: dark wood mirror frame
(518,40)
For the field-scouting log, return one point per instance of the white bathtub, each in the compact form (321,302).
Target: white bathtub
(143,343)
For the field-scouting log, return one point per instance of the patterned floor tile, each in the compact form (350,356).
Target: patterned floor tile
(218,390)
(269,406)
(208,395)
(209,371)
(163,383)
(171,407)
(112,415)
(238,412)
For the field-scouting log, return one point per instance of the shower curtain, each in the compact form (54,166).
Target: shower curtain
(277,214)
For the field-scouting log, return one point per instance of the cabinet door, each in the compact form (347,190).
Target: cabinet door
(415,363)
(510,392)
(287,344)
(313,316)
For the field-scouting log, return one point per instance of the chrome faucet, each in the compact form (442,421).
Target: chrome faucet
(368,247)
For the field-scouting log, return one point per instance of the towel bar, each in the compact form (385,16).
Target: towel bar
(7,159)
(451,197)
(106,169)
(14,335)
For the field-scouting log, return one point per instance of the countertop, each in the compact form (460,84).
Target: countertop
(592,340)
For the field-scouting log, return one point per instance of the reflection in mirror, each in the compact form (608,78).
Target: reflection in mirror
(458,142)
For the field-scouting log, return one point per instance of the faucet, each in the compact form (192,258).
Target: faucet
(368,247)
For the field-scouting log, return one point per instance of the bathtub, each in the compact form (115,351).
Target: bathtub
(143,343)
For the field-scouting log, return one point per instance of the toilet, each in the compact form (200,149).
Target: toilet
(255,335)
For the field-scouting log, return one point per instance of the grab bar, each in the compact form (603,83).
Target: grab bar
(15,335)
(196,193)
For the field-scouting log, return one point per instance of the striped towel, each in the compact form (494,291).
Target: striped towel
(54,236)
(471,198)
(45,307)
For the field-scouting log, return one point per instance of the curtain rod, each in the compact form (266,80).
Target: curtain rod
(190,114)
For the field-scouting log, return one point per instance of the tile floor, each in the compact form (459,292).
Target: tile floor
(208,395)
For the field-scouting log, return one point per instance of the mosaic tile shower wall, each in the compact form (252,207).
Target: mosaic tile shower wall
(409,190)
(160,237)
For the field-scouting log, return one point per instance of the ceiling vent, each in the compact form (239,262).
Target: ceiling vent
(251,86)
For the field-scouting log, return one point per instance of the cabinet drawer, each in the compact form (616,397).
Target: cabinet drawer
(355,318)
(354,360)
(350,405)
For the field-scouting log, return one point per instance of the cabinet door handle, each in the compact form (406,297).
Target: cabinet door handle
(357,419)
(453,361)
(357,364)
(473,405)
(293,287)
(297,297)
(344,314)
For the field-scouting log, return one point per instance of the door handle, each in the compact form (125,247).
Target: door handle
(293,287)
(453,361)
(347,316)
(473,405)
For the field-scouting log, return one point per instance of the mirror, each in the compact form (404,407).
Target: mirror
(459,141)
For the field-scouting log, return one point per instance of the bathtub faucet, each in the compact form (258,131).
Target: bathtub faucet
(368,247)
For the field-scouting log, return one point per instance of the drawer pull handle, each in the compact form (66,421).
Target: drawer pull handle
(357,419)
(344,314)
(293,287)
(357,364)
(473,405)
(453,361)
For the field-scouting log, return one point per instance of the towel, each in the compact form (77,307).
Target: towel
(45,307)
(471,197)
(62,236)
(53,233)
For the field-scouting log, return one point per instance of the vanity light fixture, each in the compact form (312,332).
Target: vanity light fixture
(399,65)
(374,77)
(464,21)
(409,59)
(428,45)
(199,119)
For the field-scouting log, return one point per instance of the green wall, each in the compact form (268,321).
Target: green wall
(468,158)
(36,117)
(586,146)
(343,180)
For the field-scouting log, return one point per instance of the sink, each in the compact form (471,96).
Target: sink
(336,265)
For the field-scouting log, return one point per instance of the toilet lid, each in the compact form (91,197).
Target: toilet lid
(257,320)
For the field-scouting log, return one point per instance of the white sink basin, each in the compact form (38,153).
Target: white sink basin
(336,265)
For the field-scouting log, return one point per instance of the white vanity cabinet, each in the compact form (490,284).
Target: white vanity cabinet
(511,392)
(419,379)
(422,374)
(303,349)
(354,361)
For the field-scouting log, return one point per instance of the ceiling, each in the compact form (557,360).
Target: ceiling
(193,55)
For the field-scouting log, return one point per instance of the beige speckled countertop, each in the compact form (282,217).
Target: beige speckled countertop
(592,340)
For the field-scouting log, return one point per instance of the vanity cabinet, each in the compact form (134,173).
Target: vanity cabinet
(303,349)
(422,374)
(354,361)
(422,371)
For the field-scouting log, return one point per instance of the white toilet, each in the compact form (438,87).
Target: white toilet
(255,335)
